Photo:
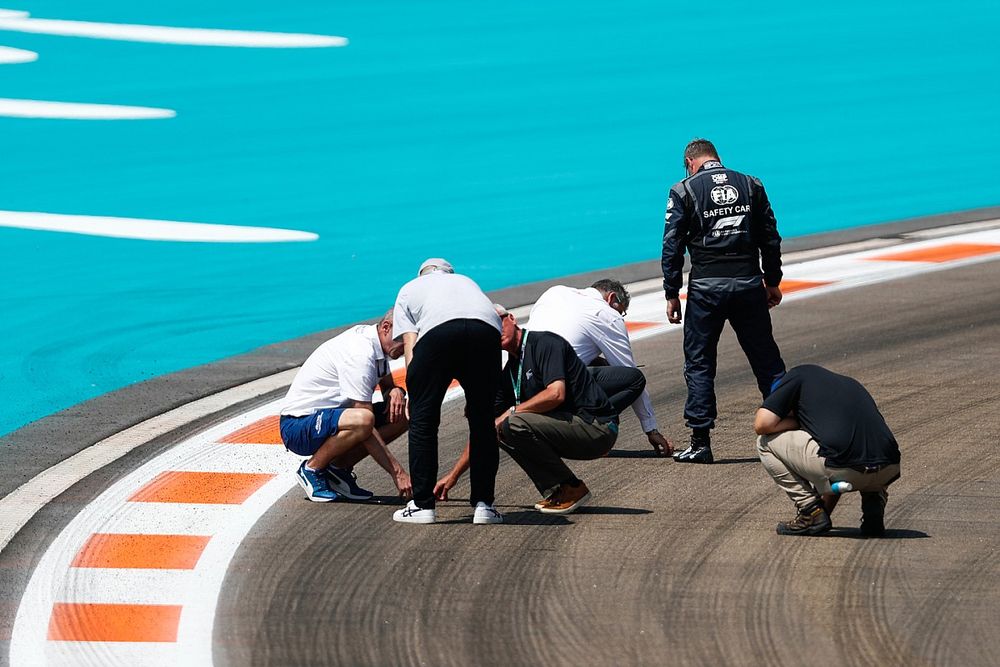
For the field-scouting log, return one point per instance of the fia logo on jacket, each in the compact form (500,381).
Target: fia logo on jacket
(724,195)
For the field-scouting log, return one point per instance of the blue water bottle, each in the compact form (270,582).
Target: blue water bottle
(841,487)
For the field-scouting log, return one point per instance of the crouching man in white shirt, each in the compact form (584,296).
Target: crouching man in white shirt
(328,414)
(592,320)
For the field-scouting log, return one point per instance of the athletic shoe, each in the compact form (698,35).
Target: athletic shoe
(813,520)
(345,482)
(314,484)
(546,496)
(413,514)
(872,514)
(700,448)
(695,454)
(567,499)
(486,514)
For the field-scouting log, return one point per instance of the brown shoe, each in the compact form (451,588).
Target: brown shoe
(546,497)
(813,520)
(566,499)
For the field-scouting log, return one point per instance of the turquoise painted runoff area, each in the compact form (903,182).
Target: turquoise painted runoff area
(520,140)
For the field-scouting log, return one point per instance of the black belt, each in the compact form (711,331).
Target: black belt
(864,470)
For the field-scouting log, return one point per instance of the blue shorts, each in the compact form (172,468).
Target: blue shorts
(304,435)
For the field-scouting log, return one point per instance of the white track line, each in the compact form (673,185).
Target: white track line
(15,108)
(197,590)
(11,56)
(25,501)
(168,34)
(149,230)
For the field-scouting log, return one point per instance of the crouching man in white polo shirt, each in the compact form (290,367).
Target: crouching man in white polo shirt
(328,414)
(592,320)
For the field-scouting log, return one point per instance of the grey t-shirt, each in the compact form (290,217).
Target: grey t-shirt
(439,297)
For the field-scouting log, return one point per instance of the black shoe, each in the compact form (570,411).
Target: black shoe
(695,455)
(811,521)
(700,449)
(872,514)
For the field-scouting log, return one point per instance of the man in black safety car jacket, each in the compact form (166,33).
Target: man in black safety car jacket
(724,220)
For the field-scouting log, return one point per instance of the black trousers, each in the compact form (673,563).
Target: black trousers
(467,351)
(622,384)
(706,313)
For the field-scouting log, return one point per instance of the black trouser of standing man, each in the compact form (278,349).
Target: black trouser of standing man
(706,313)
(467,351)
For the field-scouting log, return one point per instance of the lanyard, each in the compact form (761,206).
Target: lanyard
(516,384)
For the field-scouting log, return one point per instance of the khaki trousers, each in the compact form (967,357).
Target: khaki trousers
(792,459)
(539,443)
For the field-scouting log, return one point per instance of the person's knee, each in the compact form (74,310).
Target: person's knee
(762,441)
(639,380)
(361,421)
(514,428)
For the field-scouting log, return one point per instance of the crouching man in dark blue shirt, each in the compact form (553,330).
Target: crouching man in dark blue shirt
(818,428)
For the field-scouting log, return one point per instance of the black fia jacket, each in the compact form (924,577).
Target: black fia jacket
(724,220)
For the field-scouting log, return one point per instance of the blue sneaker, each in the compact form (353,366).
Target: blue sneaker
(315,486)
(345,483)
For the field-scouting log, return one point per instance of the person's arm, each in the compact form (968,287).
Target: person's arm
(404,325)
(379,451)
(766,422)
(546,400)
(395,396)
(764,230)
(675,231)
(409,340)
(445,484)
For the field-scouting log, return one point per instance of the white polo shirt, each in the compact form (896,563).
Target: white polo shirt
(343,369)
(439,297)
(592,327)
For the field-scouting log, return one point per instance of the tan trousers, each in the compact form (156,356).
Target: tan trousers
(539,443)
(792,459)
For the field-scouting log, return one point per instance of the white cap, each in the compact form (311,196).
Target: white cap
(435,264)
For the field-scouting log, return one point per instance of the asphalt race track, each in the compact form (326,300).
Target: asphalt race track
(671,563)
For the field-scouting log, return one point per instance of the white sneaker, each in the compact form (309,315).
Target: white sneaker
(486,514)
(413,514)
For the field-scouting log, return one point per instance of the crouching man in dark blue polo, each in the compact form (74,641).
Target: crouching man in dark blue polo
(818,428)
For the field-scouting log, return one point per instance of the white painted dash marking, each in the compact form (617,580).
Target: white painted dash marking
(169,34)
(15,108)
(150,230)
(11,56)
